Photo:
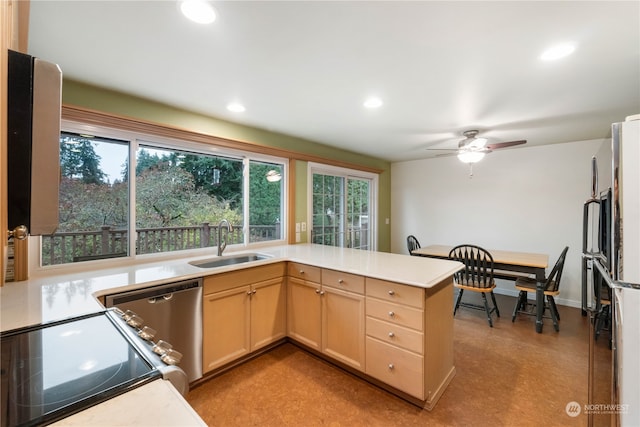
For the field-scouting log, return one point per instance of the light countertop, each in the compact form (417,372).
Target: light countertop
(154,404)
(47,298)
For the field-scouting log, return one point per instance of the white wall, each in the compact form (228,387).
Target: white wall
(528,199)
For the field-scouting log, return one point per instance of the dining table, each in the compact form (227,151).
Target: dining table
(519,263)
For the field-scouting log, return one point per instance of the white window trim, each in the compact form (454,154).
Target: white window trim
(346,173)
(135,139)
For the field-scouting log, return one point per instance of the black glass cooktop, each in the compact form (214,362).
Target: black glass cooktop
(54,370)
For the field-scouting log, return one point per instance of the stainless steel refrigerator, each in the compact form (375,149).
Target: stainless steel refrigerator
(611,278)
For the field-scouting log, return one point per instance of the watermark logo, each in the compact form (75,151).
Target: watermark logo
(573,409)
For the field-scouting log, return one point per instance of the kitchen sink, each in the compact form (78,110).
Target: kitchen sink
(229,260)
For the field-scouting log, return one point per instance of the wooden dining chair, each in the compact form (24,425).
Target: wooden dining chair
(412,243)
(602,294)
(551,288)
(476,276)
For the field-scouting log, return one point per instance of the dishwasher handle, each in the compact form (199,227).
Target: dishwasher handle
(154,294)
(160,299)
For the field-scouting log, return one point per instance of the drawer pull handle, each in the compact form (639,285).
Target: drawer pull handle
(340,281)
(392,293)
(248,292)
(317,291)
(391,314)
(321,293)
(391,335)
(301,271)
(391,366)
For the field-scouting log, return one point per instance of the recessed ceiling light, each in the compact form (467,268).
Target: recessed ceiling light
(557,52)
(236,107)
(373,102)
(200,11)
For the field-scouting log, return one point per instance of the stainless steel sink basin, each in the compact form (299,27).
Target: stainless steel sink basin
(228,260)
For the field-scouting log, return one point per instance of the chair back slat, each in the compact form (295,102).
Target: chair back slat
(553,281)
(412,243)
(478,266)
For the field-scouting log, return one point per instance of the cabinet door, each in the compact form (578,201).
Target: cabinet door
(343,322)
(303,312)
(268,312)
(226,327)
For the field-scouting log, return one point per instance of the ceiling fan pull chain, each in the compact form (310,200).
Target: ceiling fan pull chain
(470,170)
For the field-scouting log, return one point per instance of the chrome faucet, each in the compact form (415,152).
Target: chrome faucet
(229,227)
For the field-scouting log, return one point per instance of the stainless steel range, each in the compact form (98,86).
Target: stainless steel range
(51,371)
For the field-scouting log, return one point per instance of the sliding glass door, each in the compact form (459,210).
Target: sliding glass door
(342,202)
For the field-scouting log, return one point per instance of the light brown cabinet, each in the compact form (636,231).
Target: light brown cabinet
(304,308)
(326,312)
(408,344)
(268,312)
(397,334)
(226,326)
(240,316)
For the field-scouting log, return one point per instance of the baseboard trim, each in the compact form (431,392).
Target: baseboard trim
(559,301)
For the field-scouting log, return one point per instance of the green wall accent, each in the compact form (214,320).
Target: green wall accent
(301,196)
(99,99)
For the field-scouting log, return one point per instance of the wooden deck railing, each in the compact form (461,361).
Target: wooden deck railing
(354,237)
(67,247)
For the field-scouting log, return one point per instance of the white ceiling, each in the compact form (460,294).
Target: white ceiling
(304,68)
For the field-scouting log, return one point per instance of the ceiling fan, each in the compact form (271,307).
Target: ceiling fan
(472,149)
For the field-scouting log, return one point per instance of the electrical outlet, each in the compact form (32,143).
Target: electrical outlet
(298,237)
(303,225)
(297,227)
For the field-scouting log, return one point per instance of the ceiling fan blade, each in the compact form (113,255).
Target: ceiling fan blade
(498,145)
(441,149)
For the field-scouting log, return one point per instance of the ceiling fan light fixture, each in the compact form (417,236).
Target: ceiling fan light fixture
(470,156)
(199,11)
(478,143)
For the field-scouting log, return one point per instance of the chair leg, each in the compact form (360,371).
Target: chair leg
(458,301)
(552,303)
(519,304)
(486,308)
(554,312)
(495,305)
(601,320)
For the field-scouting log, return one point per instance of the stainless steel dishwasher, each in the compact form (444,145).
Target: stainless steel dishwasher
(174,310)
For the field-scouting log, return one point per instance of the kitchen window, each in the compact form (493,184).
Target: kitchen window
(179,194)
(342,207)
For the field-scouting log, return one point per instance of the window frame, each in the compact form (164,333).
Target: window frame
(325,169)
(135,139)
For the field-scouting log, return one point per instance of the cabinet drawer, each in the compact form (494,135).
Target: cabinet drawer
(395,335)
(245,276)
(396,292)
(397,367)
(395,313)
(345,281)
(304,272)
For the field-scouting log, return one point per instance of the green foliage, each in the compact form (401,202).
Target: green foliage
(79,160)
(167,196)
(202,168)
(90,206)
(265,197)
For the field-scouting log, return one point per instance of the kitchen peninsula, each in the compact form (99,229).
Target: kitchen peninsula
(410,295)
